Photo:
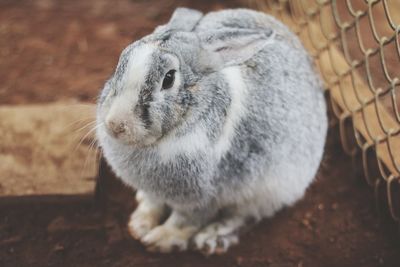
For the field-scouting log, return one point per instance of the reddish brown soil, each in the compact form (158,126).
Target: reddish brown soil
(52,50)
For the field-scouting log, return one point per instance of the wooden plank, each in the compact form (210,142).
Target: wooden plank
(39,152)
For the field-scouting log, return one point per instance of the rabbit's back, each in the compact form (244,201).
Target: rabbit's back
(279,141)
(286,111)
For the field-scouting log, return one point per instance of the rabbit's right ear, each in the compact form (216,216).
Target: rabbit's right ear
(183,19)
(232,46)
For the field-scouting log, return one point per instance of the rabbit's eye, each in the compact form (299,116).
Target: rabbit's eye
(168,79)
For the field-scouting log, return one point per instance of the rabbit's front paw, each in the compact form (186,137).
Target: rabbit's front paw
(217,237)
(146,216)
(167,238)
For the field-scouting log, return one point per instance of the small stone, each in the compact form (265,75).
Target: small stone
(305,222)
(58,247)
(239,261)
(334,206)
(58,224)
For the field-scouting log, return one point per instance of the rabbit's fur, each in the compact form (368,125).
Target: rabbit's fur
(238,136)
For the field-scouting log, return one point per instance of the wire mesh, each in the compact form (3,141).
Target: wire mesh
(356,48)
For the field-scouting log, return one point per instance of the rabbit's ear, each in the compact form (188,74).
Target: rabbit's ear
(227,46)
(183,19)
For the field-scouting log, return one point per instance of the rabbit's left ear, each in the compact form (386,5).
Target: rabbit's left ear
(227,46)
(183,19)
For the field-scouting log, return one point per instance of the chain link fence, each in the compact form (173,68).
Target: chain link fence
(356,48)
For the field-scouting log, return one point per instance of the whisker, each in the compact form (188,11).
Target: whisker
(92,145)
(80,105)
(86,135)
(77,122)
(76,133)
(85,126)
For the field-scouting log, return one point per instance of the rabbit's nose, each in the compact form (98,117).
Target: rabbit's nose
(116,127)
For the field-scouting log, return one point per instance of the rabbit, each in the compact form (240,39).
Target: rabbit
(218,120)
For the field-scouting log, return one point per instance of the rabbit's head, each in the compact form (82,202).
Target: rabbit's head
(150,91)
(152,88)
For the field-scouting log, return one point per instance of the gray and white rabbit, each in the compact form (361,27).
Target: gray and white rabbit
(218,120)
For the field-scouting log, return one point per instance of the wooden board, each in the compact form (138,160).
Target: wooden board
(39,151)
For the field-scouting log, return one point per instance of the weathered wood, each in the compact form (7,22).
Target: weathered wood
(40,149)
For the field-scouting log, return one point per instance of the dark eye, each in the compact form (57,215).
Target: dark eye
(168,79)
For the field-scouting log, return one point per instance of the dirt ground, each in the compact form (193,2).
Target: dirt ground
(334,225)
(56,50)
(63,50)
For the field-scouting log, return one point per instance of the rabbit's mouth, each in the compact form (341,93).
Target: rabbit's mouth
(131,138)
